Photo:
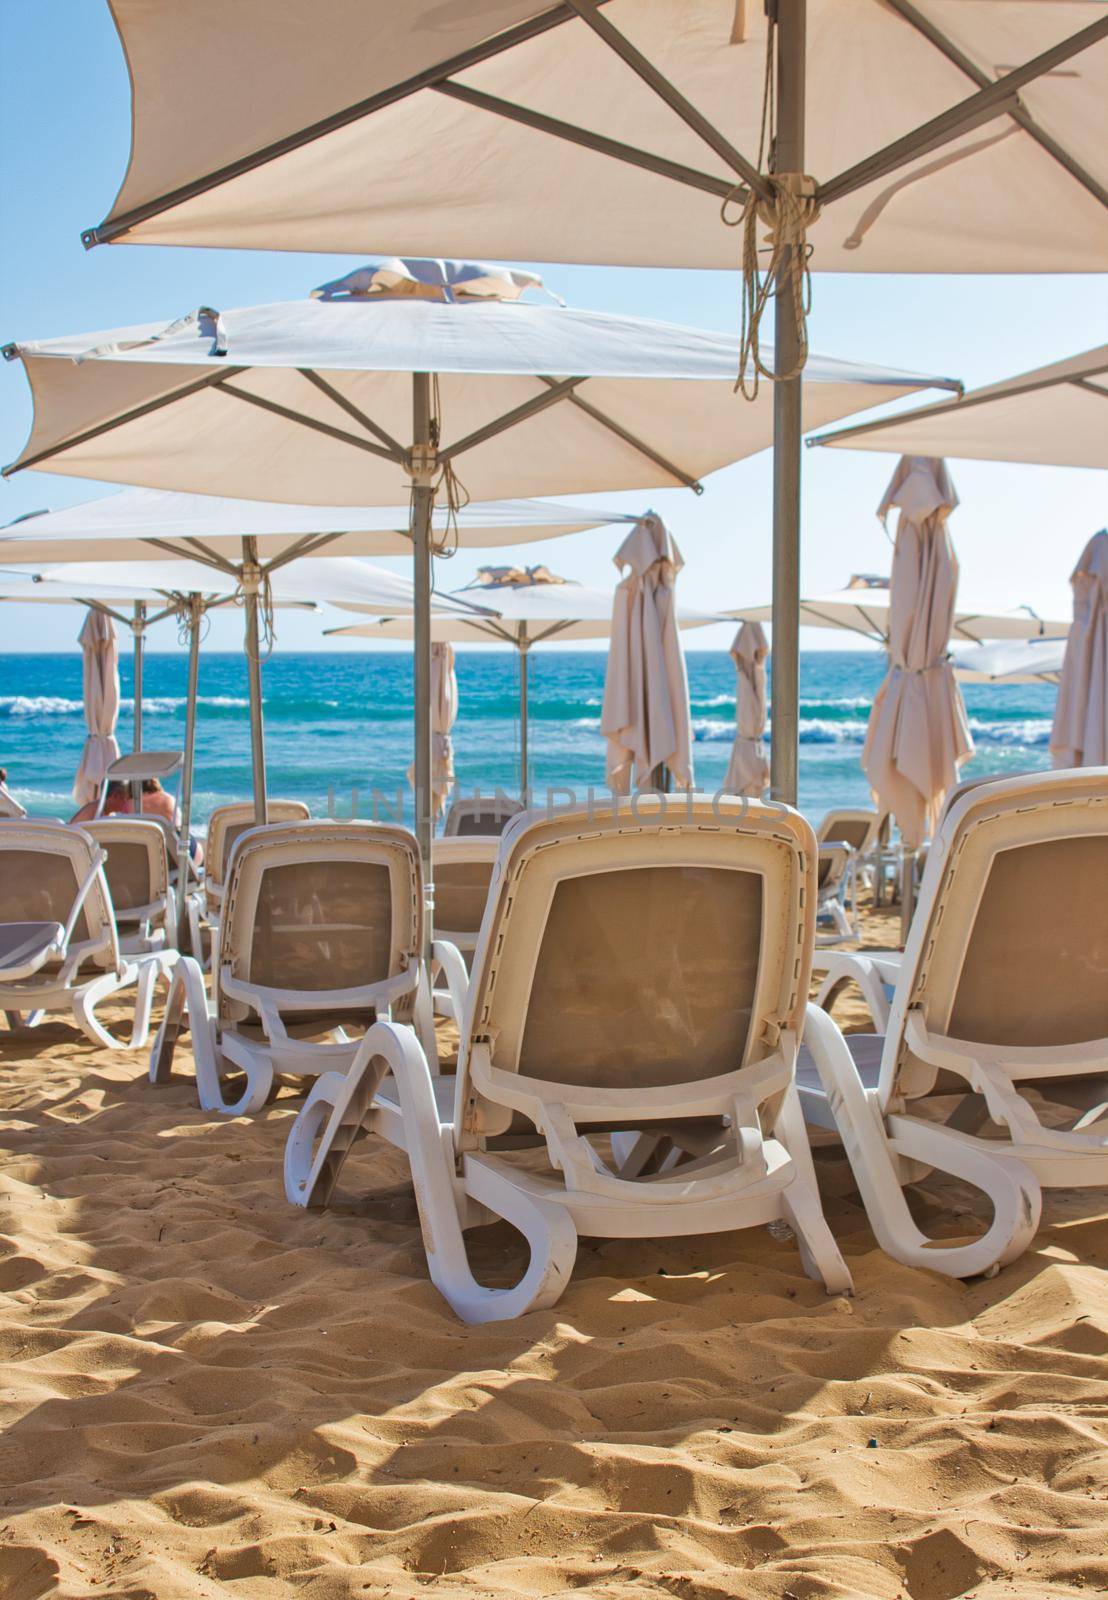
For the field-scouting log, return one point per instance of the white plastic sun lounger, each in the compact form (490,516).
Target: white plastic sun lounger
(320,932)
(1002,995)
(636,970)
(136,866)
(857,828)
(832,868)
(486,815)
(59,949)
(225,826)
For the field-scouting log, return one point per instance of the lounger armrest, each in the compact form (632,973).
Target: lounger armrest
(449,958)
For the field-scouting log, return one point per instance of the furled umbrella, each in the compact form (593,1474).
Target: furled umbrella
(101,691)
(444,714)
(748,768)
(645,716)
(1079,737)
(918,735)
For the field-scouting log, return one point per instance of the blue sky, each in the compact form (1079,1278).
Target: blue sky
(64,131)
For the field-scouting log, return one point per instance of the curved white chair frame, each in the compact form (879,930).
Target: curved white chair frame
(250,1027)
(92,968)
(1009,940)
(748,1160)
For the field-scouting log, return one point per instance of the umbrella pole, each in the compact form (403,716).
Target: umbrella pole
(789,147)
(524,774)
(195,612)
(138,631)
(423,496)
(251,583)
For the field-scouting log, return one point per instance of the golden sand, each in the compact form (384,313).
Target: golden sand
(209,1393)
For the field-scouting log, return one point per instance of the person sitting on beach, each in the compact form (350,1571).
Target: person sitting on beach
(9,805)
(156,802)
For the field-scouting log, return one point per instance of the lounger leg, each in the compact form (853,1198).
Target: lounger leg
(187,992)
(423,1018)
(84,1011)
(149,973)
(548,1230)
(1012,1188)
(820,1255)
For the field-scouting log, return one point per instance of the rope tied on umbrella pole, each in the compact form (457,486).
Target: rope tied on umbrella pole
(255,579)
(791,208)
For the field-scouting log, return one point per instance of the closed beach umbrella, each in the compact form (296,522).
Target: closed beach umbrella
(444,713)
(101,685)
(1079,737)
(918,736)
(748,769)
(645,717)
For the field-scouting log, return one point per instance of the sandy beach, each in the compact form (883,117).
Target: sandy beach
(209,1393)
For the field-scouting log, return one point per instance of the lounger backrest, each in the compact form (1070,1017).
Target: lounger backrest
(480,815)
(856,828)
(321,906)
(462,872)
(227,823)
(832,862)
(137,866)
(1009,944)
(42,867)
(635,952)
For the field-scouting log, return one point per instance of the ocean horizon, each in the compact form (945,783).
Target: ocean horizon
(338,725)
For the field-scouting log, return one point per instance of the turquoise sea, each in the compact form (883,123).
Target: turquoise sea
(336,723)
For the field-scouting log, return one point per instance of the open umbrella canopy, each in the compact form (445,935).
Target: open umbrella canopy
(519,613)
(140,523)
(1054,416)
(313,399)
(863,607)
(1022,661)
(546,131)
(308,582)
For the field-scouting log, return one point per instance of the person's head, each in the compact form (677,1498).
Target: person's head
(3,774)
(151,786)
(116,798)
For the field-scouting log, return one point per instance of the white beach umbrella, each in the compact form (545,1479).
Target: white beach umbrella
(904,136)
(645,716)
(1023,661)
(748,768)
(944,135)
(140,525)
(918,736)
(1079,737)
(314,398)
(1053,416)
(101,693)
(526,606)
(863,607)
